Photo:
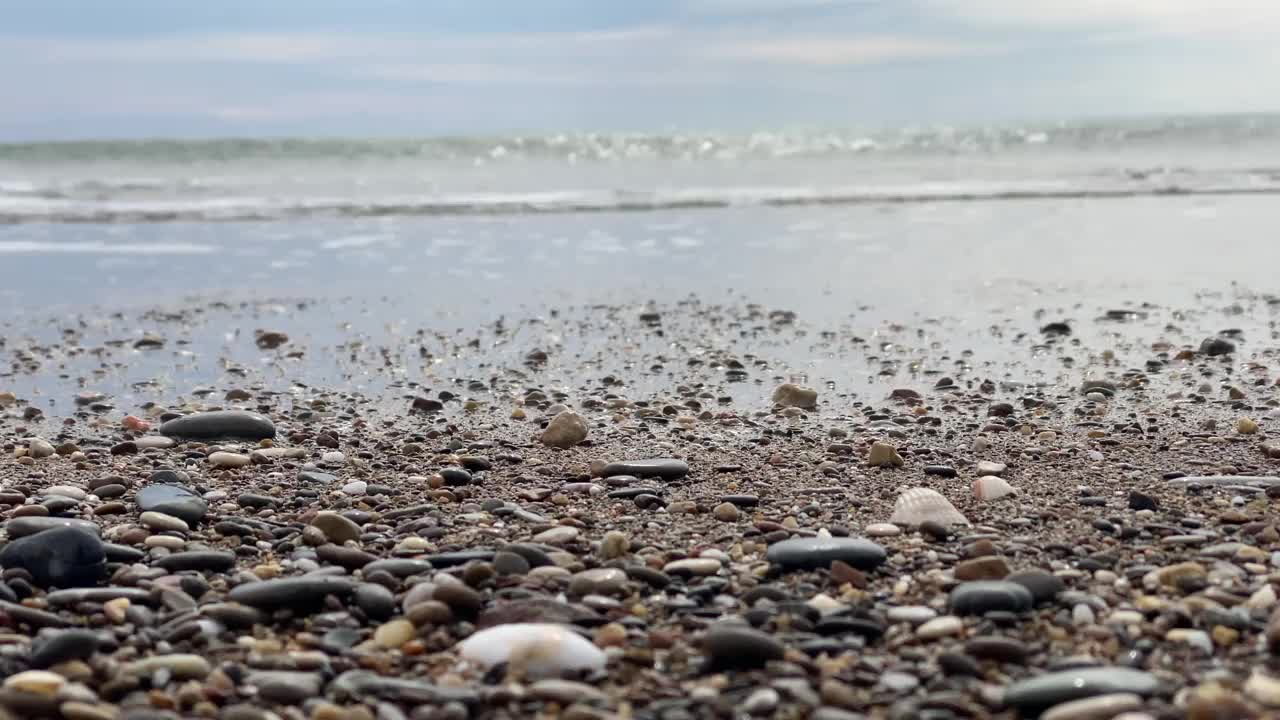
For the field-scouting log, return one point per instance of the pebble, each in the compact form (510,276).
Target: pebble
(36,682)
(883,454)
(287,592)
(692,566)
(173,500)
(336,528)
(665,469)
(819,553)
(64,645)
(736,647)
(1035,695)
(984,596)
(940,627)
(162,522)
(559,535)
(565,430)
(221,424)
(393,634)
(228,459)
(988,467)
(725,512)
(535,650)
(797,396)
(1101,707)
(61,557)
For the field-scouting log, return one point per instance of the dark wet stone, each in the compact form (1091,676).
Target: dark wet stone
(997,648)
(31,616)
(291,592)
(1035,695)
(30,525)
(174,500)
(1216,346)
(1043,586)
(233,615)
(736,647)
(203,560)
(945,471)
(48,650)
(256,502)
(375,601)
(745,501)
(1219,481)
(1141,501)
(399,567)
(509,563)
(666,469)
(462,600)
(97,595)
(984,596)
(934,530)
(455,476)
(631,493)
(815,553)
(122,553)
(61,557)
(342,556)
(958,664)
(231,424)
(285,687)
(363,684)
(57,505)
(534,555)
(441,560)
(107,492)
(647,575)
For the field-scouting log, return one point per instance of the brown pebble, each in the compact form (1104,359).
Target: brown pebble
(982,568)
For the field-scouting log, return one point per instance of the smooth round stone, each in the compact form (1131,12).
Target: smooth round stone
(693,566)
(257,502)
(290,592)
(665,468)
(151,442)
(181,666)
(882,530)
(816,553)
(509,563)
(36,682)
(198,560)
(173,500)
(739,647)
(229,424)
(399,567)
(997,647)
(49,650)
(394,634)
(163,523)
(914,614)
(285,687)
(229,459)
(454,477)
(983,596)
(336,528)
(940,627)
(543,649)
(67,491)
(107,492)
(61,557)
(375,601)
(1043,586)
(168,542)
(355,487)
(600,581)
(24,526)
(1102,707)
(1035,695)
(558,535)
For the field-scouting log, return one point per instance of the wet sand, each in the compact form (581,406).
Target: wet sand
(408,467)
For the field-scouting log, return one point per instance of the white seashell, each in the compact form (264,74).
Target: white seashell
(920,505)
(536,650)
(990,487)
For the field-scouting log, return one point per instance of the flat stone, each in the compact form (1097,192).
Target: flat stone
(399,567)
(731,646)
(1035,695)
(173,500)
(336,528)
(285,687)
(559,535)
(229,459)
(665,469)
(61,598)
(360,685)
(199,560)
(1101,707)
(162,522)
(940,627)
(61,557)
(693,566)
(24,526)
(181,666)
(228,424)
(291,592)
(819,553)
(984,596)
(49,650)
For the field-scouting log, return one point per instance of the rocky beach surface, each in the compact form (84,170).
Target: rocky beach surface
(674,511)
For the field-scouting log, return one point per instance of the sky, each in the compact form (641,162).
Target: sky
(173,68)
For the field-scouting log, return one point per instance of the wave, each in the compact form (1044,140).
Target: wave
(16,210)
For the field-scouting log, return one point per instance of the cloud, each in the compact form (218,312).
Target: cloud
(846,51)
(1157,17)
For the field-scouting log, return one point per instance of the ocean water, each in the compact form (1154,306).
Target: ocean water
(913,219)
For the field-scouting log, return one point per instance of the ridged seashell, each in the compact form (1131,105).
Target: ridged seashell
(990,487)
(921,505)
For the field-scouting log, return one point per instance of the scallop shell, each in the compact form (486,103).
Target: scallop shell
(990,487)
(921,505)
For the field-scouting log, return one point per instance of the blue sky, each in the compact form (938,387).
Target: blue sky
(147,68)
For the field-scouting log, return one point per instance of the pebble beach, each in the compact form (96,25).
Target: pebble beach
(704,508)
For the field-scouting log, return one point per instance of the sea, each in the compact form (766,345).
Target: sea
(945,224)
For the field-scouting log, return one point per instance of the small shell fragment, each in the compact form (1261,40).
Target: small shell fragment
(990,487)
(920,505)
